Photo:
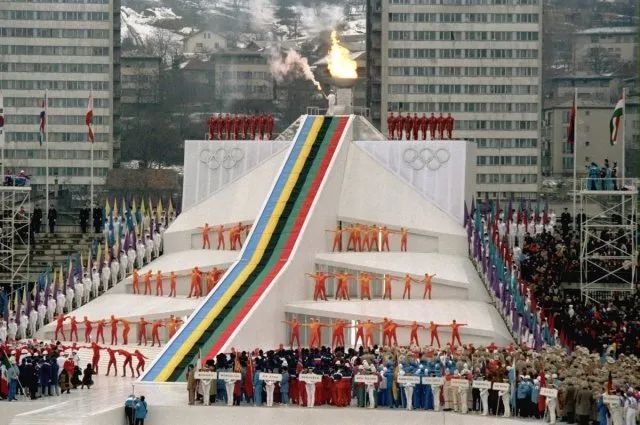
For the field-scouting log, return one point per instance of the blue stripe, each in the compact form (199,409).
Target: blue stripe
(247,253)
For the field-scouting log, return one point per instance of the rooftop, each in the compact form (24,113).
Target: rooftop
(609,30)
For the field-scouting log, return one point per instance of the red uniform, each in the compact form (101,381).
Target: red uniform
(141,362)
(269,126)
(408,125)
(147,283)
(391,126)
(136,280)
(142,331)
(155,332)
(74,329)
(114,330)
(127,361)
(95,359)
(448,126)
(440,126)
(254,126)
(261,121)
(433,124)
(215,125)
(227,126)
(100,331)
(159,284)
(87,330)
(246,127)
(210,127)
(59,326)
(126,327)
(415,126)
(399,126)
(173,280)
(237,126)
(319,291)
(112,361)
(423,126)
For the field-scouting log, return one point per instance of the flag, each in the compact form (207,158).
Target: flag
(159,210)
(107,209)
(43,120)
(542,399)
(89,118)
(115,207)
(614,124)
(571,130)
(466,214)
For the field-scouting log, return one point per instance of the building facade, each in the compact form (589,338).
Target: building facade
(242,74)
(69,49)
(479,60)
(595,48)
(204,42)
(140,78)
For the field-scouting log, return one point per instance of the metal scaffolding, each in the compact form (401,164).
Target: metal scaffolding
(608,240)
(15,228)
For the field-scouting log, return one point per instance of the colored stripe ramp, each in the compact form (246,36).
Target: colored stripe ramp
(265,253)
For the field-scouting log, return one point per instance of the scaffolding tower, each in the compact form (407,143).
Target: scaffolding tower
(15,230)
(608,239)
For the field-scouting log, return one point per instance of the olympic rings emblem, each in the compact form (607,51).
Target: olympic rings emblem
(426,158)
(221,157)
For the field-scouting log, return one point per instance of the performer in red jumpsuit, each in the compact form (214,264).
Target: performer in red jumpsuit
(415,126)
(126,327)
(294,327)
(215,125)
(218,126)
(319,291)
(404,236)
(433,124)
(87,329)
(238,122)
(269,125)
(74,329)
(220,233)
(440,125)
(141,357)
(127,361)
(384,233)
(100,330)
(408,125)
(414,332)
(387,285)
(147,283)
(455,332)
(407,286)
(155,332)
(391,126)
(59,326)
(174,280)
(253,126)
(246,127)
(261,121)
(337,335)
(159,278)
(135,278)
(113,322)
(342,285)
(206,244)
(96,355)
(427,284)
(399,126)
(210,127)
(142,331)
(365,286)
(196,289)
(112,361)
(369,326)
(359,332)
(228,123)
(449,121)
(424,122)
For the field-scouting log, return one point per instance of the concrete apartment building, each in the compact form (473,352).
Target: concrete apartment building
(140,78)
(480,60)
(242,74)
(70,48)
(619,43)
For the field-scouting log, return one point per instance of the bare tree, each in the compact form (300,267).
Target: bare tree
(600,61)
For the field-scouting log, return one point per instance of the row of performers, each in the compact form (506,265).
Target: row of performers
(410,126)
(240,127)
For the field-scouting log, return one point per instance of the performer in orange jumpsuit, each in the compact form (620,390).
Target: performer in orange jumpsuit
(237,240)
(320,290)
(404,236)
(205,236)
(427,284)
(415,126)
(155,332)
(159,291)
(217,274)
(374,233)
(172,325)
(112,361)
(387,279)
(147,283)
(384,233)
(352,237)
(60,326)
(365,285)
(342,285)
(359,332)
(127,361)
(440,125)
(391,125)
(95,359)
(87,329)
(337,239)
(100,330)
(220,233)
(113,322)
(433,124)
(136,280)
(126,327)
(315,328)
(448,126)
(390,330)
(74,329)
(294,328)
(173,280)
(358,237)
(423,125)
(433,331)
(210,281)
(141,357)
(142,331)
(369,327)
(195,289)
(407,286)
(414,332)
(455,332)
(337,334)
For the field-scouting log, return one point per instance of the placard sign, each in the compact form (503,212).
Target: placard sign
(206,374)
(483,385)
(501,386)
(229,376)
(460,383)
(549,392)
(310,378)
(409,379)
(273,377)
(366,379)
(611,399)
(433,380)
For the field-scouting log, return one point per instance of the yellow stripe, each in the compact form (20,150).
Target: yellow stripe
(250,266)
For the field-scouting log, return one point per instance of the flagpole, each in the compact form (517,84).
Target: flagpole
(2,141)
(92,143)
(624,124)
(575,153)
(46,150)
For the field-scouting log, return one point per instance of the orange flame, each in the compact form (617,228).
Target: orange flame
(339,61)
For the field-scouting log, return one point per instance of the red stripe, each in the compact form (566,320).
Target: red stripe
(284,256)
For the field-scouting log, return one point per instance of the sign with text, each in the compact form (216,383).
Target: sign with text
(366,379)
(549,392)
(206,374)
(433,380)
(310,378)
(229,376)
(409,380)
(460,383)
(273,377)
(501,386)
(611,399)
(483,385)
